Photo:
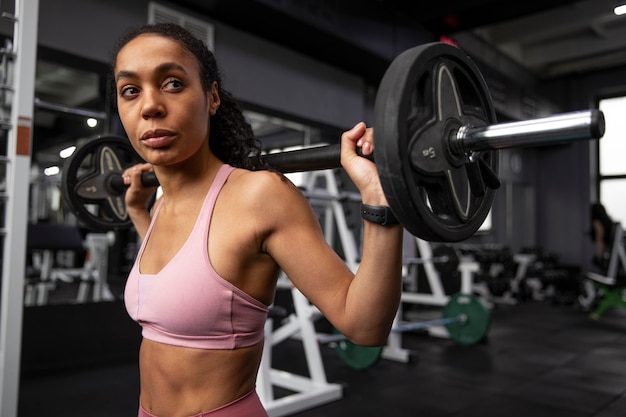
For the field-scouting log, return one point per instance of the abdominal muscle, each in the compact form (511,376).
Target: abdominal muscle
(180,382)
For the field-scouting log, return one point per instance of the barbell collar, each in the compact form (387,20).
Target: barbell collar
(551,130)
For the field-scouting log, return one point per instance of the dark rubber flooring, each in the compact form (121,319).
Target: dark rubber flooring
(539,359)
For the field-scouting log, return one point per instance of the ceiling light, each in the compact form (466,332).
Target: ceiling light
(67,152)
(50,171)
(91,122)
(620,10)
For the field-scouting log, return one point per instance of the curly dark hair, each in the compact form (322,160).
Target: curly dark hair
(231,139)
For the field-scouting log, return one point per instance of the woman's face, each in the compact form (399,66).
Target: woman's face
(160,99)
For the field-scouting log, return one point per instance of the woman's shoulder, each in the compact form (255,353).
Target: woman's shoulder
(269,194)
(263,180)
(263,184)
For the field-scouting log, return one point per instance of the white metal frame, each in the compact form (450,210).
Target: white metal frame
(308,391)
(331,198)
(92,274)
(437,297)
(616,259)
(334,215)
(312,390)
(95,271)
(16,217)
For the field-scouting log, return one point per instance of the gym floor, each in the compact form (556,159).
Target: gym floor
(540,359)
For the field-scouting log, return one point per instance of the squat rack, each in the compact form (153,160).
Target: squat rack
(17,92)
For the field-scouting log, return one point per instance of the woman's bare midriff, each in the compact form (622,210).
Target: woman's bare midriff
(181,382)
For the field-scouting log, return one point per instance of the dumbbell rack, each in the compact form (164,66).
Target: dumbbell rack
(17,80)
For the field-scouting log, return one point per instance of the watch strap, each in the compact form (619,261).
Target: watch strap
(381,215)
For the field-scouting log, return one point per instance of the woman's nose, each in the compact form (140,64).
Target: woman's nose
(152,105)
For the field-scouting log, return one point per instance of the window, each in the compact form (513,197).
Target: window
(611,151)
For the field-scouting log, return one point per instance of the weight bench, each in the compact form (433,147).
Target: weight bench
(610,287)
(44,241)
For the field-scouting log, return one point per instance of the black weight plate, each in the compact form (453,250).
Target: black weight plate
(88,182)
(477,319)
(426,95)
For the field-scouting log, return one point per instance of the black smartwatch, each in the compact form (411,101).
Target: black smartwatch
(378,214)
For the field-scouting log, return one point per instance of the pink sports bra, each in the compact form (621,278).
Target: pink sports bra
(187,303)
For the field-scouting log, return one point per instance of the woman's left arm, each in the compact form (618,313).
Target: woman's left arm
(361,304)
(374,295)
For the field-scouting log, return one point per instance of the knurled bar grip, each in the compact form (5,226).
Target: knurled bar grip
(309,159)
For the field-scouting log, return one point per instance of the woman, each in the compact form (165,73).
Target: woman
(224,227)
(601,226)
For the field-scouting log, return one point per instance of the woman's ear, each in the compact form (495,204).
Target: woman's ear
(214,99)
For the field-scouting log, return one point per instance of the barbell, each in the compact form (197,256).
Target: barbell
(465,318)
(445,259)
(436,149)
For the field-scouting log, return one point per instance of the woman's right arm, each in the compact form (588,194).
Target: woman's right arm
(137,197)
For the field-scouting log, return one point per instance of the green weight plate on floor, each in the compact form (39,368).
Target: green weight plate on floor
(358,357)
(475,328)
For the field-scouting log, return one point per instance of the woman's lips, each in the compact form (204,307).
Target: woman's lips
(157,139)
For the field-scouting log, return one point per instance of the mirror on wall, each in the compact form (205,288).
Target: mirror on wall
(71,105)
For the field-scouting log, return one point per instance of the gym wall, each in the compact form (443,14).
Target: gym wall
(283,80)
(255,71)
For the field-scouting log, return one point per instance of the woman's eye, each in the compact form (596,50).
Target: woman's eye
(128,91)
(174,84)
